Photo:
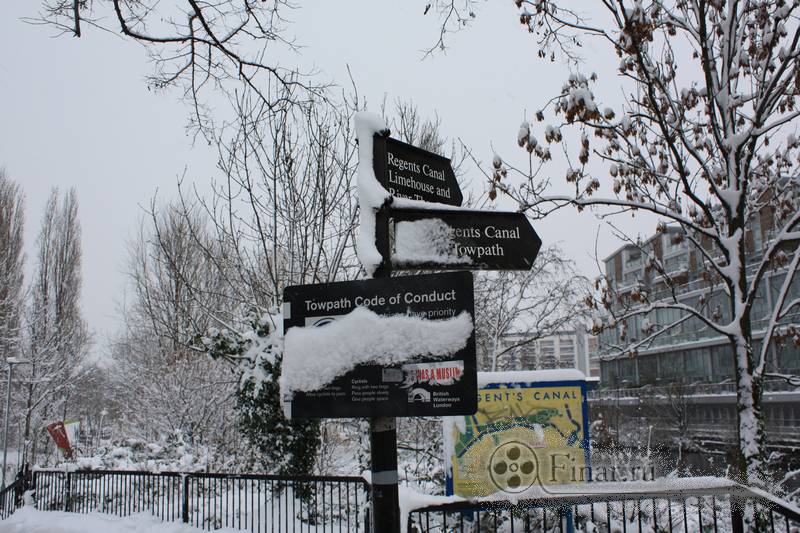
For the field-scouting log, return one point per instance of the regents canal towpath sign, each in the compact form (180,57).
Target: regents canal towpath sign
(422,386)
(410,172)
(476,240)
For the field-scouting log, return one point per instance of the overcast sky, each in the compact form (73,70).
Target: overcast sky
(76,112)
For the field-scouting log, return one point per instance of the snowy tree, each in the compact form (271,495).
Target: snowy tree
(408,125)
(95,403)
(12,219)
(704,140)
(536,303)
(295,170)
(283,213)
(162,387)
(56,334)
(284,209)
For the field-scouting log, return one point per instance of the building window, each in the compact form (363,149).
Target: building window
(648,369)
(547,353)
(634,259)
(566,352)
(528,356)
(671,365)
(630,279)
(610,269)
(627,372)
(674,264)
(722,362)
(608,373)
(698,363)
(674,244)
(592,343)
(788,356)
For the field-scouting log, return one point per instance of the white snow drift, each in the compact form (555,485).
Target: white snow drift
(315,356)
(29,520)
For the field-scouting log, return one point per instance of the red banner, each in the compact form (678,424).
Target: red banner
(59,434)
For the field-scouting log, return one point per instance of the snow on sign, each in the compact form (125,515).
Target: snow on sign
(410,172)
(396,347)
(477,240)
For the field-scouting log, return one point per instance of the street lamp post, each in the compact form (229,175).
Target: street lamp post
(11,362)
(99,433)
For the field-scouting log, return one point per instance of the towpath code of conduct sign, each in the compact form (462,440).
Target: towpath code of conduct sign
(420,387)
(410,172)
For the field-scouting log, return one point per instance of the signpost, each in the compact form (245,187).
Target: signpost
(410,172)
(409,239)
(476,240)
(422,387)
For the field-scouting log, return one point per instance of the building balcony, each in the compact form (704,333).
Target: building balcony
(694,390)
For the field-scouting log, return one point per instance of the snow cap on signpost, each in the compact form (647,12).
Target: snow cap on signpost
(371,195)
(318,355)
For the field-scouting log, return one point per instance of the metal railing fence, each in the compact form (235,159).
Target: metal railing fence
(252,502)
(269,503)
(11,498)
(689,511)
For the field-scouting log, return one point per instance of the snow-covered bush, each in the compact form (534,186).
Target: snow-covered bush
(170,453)
(279,445)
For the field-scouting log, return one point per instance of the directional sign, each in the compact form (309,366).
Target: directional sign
(476,240)
(410,172)
(424,386)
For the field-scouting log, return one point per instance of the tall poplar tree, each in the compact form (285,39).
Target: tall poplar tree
(57,337)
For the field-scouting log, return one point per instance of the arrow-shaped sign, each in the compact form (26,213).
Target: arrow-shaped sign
(410,172)
(477,240)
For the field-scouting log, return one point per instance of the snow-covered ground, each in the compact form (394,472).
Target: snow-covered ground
(29,520)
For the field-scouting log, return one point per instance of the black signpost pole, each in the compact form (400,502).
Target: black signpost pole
(383,459)
(383,430)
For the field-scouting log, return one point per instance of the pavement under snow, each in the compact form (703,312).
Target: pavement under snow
(29,520)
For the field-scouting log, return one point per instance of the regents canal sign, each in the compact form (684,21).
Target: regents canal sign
(477,240)
(410,172)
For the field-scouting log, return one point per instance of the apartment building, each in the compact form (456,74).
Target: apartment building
(566,349)
(691,352)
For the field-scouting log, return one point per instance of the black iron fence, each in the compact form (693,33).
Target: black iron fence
(256,503)
(698,509)
(11,497)
(268,503)
(110,491)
